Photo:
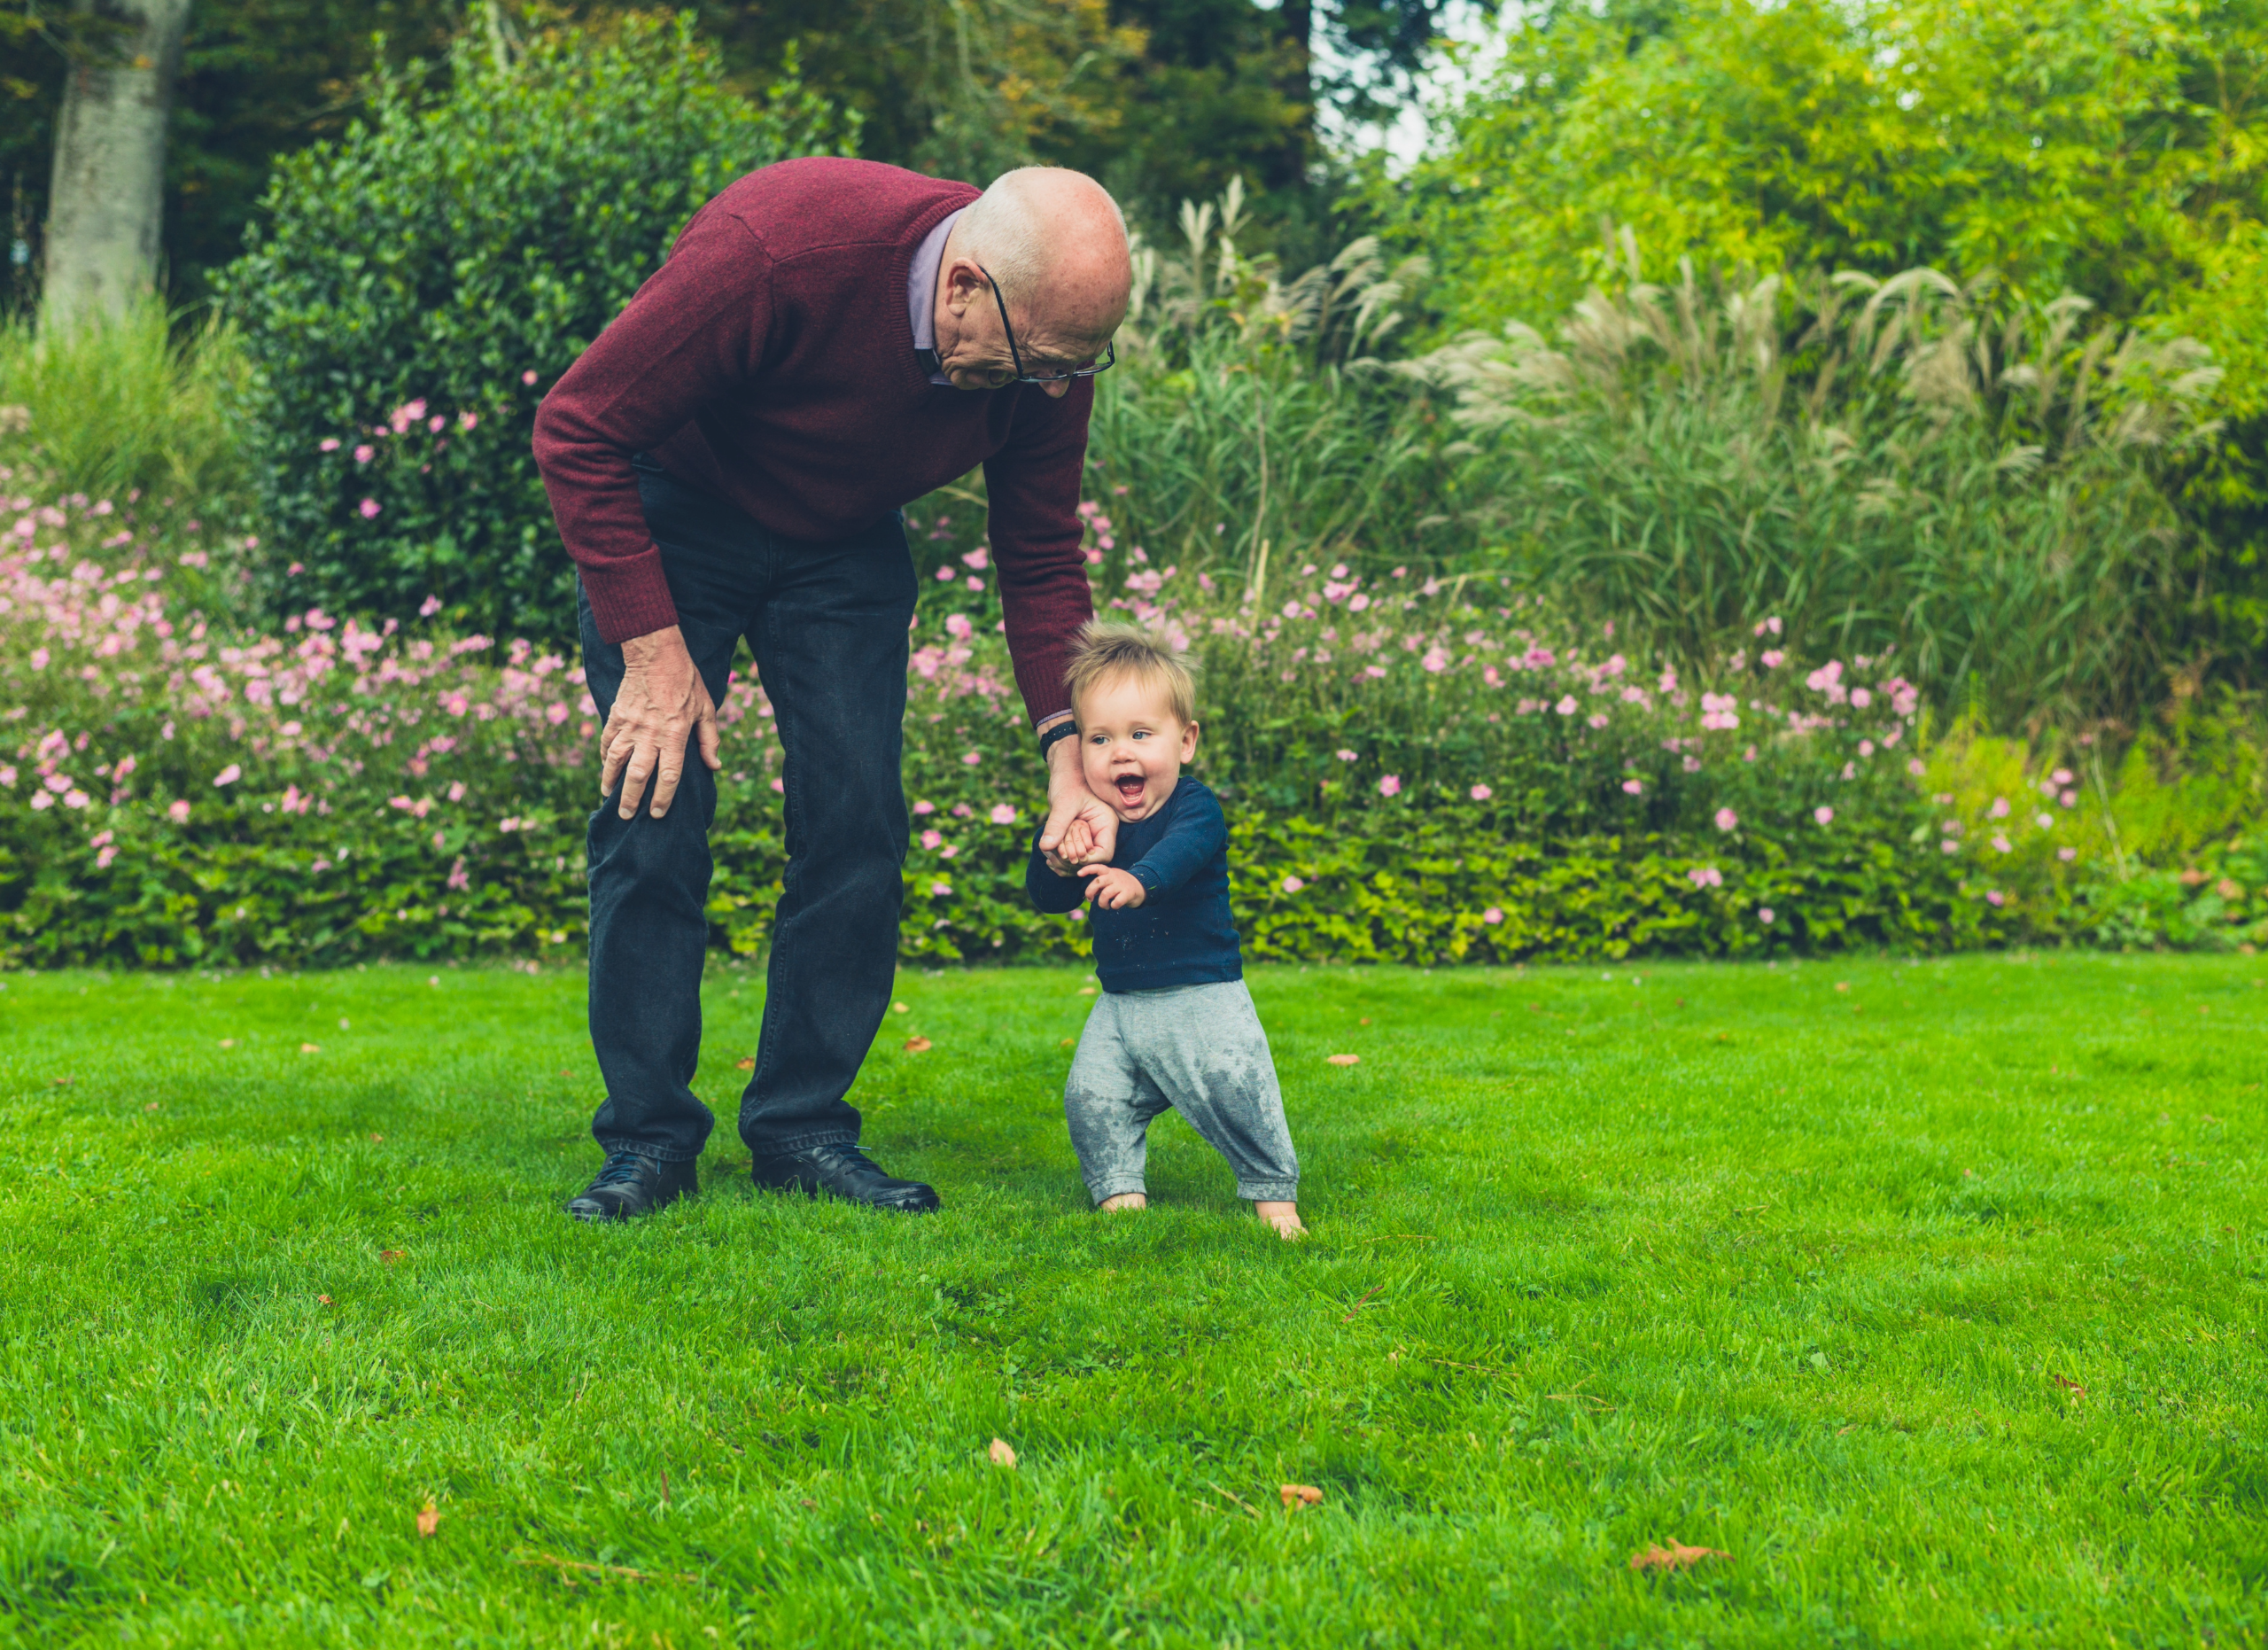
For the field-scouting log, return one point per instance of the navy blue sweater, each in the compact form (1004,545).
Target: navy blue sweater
(1181,934)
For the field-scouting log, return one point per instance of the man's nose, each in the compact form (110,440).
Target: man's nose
(1058,389)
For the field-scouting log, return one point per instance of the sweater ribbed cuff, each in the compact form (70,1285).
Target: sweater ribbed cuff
(629,598)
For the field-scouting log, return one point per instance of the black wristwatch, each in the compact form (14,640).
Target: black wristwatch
(1064,730)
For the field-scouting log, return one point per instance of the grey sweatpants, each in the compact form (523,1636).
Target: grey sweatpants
(1198,1049)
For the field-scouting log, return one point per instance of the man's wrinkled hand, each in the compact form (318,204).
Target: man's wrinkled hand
(661,706)
(1080,827)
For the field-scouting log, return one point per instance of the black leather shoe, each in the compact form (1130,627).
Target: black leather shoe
(632,1185)
(846,1173)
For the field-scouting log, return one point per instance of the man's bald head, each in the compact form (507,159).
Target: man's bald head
(1056,242)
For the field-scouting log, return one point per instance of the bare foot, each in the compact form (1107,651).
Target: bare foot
(1284,1218)
(1124,1200)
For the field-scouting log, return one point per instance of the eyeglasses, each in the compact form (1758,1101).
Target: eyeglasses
(1109,350)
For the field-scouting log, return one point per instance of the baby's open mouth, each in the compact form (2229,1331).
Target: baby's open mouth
(1130,787)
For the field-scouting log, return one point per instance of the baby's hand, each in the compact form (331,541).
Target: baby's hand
(1078,841)
(1115,890)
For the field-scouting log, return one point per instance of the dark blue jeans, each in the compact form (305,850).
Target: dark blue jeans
(828,624)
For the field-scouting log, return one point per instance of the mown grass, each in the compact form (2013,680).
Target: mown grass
(1934,1302)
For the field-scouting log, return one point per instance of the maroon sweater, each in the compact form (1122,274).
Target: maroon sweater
(769,362)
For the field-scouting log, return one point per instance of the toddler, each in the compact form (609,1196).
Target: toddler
(1175,1025)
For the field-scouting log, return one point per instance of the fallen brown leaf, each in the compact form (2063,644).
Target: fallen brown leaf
(1677,1555)
(745,1062)
(65,1082)
(1300,1495)
(1365,1301)
(323,1300)
(378,1139)
(1068,1042)
(918,1045)
(429,1519)
(311,1048)
(564,1071)
(390,1256)
(2071,1387)
(228,1042)
(899,1007)
(153,1106)
(1841,985)
(1001,1454)
(1345,1059)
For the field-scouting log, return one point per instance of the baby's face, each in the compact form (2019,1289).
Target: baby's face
(1132,745)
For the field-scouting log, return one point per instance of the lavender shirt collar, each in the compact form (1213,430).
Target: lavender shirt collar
(921,295)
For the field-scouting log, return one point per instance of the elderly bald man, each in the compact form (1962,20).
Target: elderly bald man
(827,340)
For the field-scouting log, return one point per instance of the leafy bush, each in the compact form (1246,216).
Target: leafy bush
(415,288)
(173,792)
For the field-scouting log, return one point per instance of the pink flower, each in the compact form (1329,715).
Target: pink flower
(940,889)
(8,777)
(1726,819)
(1436,660)
(456,791)
(229,775)
(104,858)
(930,839)
(1633,786)
(2070,798)
(1567,705)
(1346,756)
(178,813)
(2067,854)
(43,799)
(1293,884)
(430,606)
(944,575)
(2045,821)
(1949,846)
(1861,698)
(924,808)
(328,444)
(468,421)
(2062,776)
(1999,808)
(1772,658)
(369,507)
(958,627)
(2003,844)
(39,658)
(1764,916)
(1390,786)
(1596,719)
(1997,896)
(365,452)
(1493,916)
(973,759)
(528,376)
(1482,793)
(1824,815)
(1003,814)
(75,799)
(978,559)
(1916,766)
(1706,876)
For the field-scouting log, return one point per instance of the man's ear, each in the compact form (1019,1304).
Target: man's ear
(964,283)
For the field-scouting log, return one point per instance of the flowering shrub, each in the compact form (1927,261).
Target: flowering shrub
(412,290)
(1411,774)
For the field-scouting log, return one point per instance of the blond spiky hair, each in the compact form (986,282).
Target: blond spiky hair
(1105,650)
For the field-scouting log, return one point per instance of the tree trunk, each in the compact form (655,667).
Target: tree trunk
(105,205)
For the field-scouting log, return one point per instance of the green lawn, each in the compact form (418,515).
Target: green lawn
(1935,1302)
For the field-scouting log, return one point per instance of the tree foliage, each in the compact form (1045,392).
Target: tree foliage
(2113,148)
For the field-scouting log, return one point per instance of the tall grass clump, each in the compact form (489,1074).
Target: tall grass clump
(1906,465)
(1252,420)
(119,403)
